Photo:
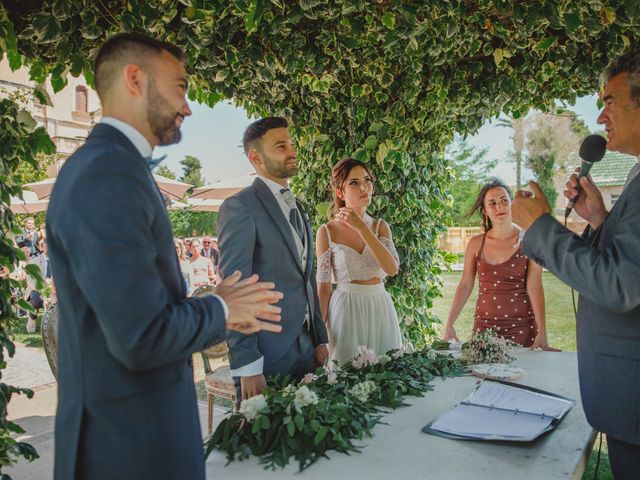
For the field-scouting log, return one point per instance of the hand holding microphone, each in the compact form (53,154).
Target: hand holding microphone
(580,192)
(591,151)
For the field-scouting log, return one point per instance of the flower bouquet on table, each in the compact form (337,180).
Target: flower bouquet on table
(327,410)
(483,347)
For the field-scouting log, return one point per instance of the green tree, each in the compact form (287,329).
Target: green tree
(552,144)
(192,171)
(165,171)
(470,169)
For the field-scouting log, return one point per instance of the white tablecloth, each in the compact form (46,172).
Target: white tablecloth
(399,450)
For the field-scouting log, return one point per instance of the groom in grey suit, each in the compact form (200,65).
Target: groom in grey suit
(604,267)
(126,401)
(264,230)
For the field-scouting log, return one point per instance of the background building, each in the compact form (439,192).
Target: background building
(76,108)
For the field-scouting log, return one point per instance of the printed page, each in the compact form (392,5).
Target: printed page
(491,424)
(512,398)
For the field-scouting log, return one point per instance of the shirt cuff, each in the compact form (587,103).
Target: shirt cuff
(224,306)
(253,368)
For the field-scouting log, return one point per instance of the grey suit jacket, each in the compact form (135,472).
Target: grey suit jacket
(605,269)
(255,237)
(126,400)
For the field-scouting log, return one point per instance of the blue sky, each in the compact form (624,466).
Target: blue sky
(214,136)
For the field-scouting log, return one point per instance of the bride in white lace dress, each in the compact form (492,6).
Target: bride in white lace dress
(358,252)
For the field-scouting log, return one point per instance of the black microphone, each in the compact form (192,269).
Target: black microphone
(591,151)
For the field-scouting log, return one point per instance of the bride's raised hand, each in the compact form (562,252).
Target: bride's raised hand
(351,218)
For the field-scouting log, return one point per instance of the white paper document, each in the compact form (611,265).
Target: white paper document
(495,411)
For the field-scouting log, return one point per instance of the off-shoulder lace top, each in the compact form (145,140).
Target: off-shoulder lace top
(347,264)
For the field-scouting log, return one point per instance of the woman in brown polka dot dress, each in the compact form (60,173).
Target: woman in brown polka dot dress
(510,297)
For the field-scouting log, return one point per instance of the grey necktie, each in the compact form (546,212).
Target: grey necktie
(632,174)
(295,219)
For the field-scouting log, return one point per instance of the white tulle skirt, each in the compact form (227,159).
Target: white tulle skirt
(362,315)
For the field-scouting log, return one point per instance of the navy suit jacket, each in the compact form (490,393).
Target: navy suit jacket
(605,269)
(255,237)
(126,401)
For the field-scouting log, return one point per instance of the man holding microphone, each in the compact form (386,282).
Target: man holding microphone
(604,267)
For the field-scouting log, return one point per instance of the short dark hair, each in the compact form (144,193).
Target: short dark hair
(478,205)
(258,128)
(124,48)
(627,63)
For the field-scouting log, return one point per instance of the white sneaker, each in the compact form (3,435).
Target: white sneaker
(31,325)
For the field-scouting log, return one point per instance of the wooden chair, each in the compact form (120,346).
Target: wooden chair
(49,331)
(217,382)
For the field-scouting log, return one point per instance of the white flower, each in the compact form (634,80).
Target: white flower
(305,397)
(364,357)
(253,407)
(382,359)
(362,391)
(332,377)
(289,390)
(397,353)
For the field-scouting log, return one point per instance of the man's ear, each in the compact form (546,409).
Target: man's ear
(254,157)
(134,79)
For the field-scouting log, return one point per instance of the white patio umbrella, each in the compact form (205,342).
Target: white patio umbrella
(174,189)
(203,205)
(224,188)
(29,204)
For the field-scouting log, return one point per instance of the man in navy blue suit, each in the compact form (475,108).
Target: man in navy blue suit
(126,401)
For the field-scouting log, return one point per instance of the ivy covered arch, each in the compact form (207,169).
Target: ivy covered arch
(388,82)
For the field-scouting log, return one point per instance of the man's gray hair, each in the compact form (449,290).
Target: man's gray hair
(627,63)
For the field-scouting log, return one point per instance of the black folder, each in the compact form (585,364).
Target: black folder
(502,411)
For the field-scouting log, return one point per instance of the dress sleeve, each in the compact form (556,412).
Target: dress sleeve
(323,275)
(389,245)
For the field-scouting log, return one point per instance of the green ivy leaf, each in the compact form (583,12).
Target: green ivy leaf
(572,22)
(46,27)
(371,142)
(252,20)
(27,121)
(389,20)
(546,43)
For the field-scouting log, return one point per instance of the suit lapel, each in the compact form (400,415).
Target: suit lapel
(272,207)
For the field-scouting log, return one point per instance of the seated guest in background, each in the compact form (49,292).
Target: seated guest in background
(187,247)
(203,273)
(185,265)
(32,294)
(510,296)
(358,250)
(604,267)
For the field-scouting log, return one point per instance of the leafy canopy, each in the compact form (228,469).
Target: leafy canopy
(389,82)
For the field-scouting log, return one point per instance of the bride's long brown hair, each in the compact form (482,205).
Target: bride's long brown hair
(339,174)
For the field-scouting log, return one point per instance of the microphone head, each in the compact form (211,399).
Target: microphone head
(593,148)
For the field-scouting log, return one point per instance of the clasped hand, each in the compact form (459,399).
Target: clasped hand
(249,301)
(351,218)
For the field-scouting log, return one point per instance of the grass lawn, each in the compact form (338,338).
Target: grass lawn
(561,333)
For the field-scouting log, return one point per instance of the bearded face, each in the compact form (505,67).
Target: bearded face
(163,119)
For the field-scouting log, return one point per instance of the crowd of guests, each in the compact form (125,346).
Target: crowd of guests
(199,260)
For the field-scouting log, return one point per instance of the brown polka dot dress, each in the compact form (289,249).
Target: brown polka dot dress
(503,303)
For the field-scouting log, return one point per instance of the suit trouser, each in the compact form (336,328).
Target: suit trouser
(624,458)
(299,360)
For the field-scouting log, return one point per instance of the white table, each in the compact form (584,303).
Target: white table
(399,450)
